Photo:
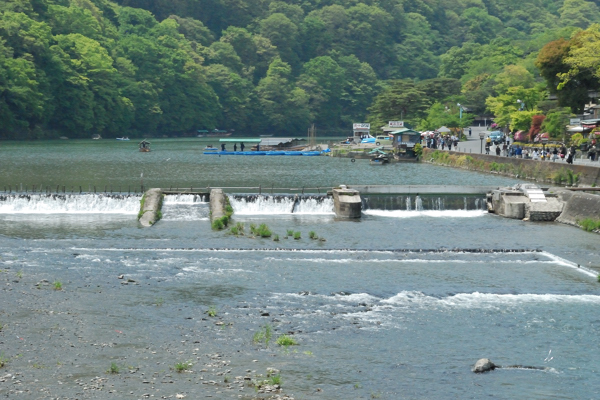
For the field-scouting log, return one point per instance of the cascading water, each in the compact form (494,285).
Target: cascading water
(404,206)
(185,207)
(281,204)
(69,204)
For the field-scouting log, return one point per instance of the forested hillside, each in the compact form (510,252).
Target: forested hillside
(171,67)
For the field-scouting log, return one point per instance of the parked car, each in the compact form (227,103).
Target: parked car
(497,137)
(383,140)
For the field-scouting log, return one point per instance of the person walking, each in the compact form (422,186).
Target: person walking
(235,147)
(497,149)
(554,154)
(469,132)
(570,157)
(593,153)
(242,146)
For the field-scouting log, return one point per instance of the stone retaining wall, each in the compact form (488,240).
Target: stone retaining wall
(578,206)
(557,172)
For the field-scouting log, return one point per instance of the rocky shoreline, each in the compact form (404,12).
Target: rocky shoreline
(89,338)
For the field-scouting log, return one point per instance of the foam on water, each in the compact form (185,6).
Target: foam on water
(484,300)
(281,205)
(70,204)
(185,207)
(184,199)
(426,213)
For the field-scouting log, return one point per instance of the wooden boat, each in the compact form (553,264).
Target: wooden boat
(144,146)
(379,157)
(123,138)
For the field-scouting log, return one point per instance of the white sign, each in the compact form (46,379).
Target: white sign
(361,126)
(396,124)
(574,121)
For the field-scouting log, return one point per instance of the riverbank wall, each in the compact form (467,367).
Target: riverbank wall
(545,172)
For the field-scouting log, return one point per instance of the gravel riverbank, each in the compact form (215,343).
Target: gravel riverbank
(90,337)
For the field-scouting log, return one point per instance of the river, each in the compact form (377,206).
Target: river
(397,305)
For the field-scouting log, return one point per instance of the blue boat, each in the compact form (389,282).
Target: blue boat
(311,153)
(293,153)
(275,153)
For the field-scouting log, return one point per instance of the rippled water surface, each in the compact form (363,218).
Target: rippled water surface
(397,305)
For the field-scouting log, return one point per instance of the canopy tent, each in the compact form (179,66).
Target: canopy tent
(444,129)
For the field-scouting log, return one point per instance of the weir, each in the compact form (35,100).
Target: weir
(423,202)
(280,204)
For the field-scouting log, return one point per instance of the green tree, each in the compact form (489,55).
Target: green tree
(87,96)
(233,93)
(330,78)
(454,61)
(285,106)
(552,64)
(400,100)
(556,122)
(283,34)
(579,13)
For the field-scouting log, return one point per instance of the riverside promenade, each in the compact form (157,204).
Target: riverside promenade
(474,145)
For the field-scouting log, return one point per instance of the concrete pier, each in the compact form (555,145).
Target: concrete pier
(150,207)
(347,203)
(217,204)
(526,202)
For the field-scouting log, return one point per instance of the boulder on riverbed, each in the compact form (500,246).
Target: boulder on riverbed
(483,365)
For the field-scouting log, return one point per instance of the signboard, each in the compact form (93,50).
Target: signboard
(574,121)
(396,124)
(357,126)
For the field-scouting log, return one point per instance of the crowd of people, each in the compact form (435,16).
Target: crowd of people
(505,148)
(439,141)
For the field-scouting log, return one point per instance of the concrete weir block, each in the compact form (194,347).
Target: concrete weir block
(150,207)
(217,204)
(347,203)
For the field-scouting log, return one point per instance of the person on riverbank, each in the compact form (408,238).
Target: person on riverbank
(222,146)
(242,146)
(593,153)
(498,150)
(554,154)
(487,148)
(570,156)
(235,147)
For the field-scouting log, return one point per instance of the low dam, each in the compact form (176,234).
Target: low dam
(351,201)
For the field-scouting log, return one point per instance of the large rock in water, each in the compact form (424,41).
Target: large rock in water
(483,365)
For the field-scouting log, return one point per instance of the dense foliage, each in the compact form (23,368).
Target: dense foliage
(134,67)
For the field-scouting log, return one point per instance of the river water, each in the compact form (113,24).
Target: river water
(398,305)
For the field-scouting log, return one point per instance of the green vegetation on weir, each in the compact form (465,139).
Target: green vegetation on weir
(81,67)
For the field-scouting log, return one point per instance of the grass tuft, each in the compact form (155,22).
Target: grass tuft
(286,340)
(182,366)
(212,311)
(57,285)
(114,368)
(264,335)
